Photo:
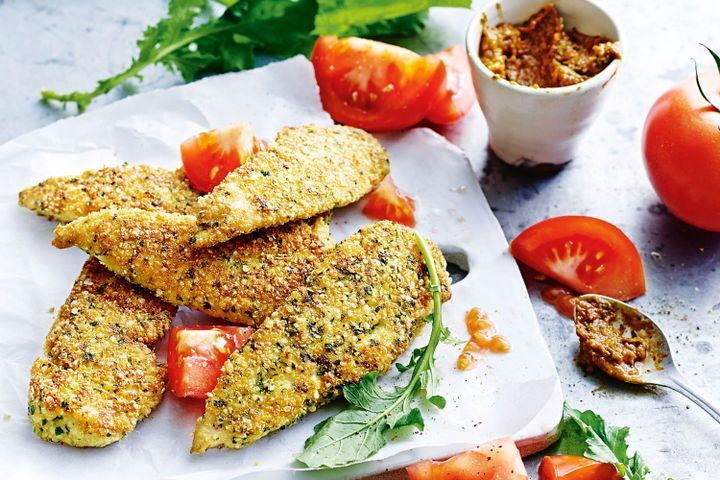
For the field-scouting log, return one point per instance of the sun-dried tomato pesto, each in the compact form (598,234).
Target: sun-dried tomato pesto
(620,341)
(541,53)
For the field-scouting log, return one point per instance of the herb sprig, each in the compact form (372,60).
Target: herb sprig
(586,434)
(193,42)
(359,431)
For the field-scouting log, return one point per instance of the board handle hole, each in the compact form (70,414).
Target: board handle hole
(457,264)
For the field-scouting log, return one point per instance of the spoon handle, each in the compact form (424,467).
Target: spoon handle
(678,383)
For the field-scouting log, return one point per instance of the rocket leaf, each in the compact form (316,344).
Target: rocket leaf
(359,431)
(194,43)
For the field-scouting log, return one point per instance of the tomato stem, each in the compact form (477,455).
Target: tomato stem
(697,77)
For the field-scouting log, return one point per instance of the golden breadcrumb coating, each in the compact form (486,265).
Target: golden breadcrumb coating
(150,188)
(99,377)
(358,311)
(309,170)
(242,280)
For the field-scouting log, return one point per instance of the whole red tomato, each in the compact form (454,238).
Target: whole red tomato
(681,145)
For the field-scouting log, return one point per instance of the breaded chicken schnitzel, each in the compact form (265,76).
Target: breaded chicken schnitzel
(242,280)
(99,377)
(309,170)
(149,188)
(355,314)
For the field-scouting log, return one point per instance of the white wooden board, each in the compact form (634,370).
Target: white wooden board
(516,394)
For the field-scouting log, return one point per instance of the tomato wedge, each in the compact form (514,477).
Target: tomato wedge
(196,356)
(458,96)
(571,467)
(386,202)
(584,253)
(373,85)
(496,460)
(209,156)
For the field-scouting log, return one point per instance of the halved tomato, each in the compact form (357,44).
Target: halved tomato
(374,85)
(209,156)
(196,356)
(387,202)
(496,460)
(458,96)
(586,254)
(571,467)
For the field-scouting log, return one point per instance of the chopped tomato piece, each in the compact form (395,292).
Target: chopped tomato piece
(584,253)
(374,85)
(209,156)
(458,96)
(571,467)
(386,202)
(496,460)
(196,356)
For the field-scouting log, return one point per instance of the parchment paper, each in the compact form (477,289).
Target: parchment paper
(515,394)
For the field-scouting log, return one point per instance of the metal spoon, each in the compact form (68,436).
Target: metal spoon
(658,367)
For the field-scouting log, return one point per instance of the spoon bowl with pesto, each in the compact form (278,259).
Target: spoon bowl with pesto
(629,346)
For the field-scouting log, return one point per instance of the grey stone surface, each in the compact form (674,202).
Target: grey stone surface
(66,45)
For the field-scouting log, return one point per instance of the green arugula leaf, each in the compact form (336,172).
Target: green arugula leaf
(194,43)
(346,17)
(448,338)
(586,434)
(157,42)
(359,431)
(405,26)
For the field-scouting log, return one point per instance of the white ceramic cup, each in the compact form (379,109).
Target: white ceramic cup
(528,126)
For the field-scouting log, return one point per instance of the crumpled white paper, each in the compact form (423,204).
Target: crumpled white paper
(516,394)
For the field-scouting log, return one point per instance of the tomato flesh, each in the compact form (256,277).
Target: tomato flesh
(374,85)
(458,96)
(386,202)
(586,254)
(571,467)
(209,156)
(681,146)
(496,460)
(196,356)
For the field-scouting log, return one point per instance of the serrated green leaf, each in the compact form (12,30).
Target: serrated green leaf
(413,418)
(414,357)
(638,467)
(350,434)
(368,395)
(448,338)
(347,17)
(158,41)
(359,431)
(404,26)
(193,43)
(587,434)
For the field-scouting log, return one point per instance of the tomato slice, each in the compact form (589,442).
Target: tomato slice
(209,156)
(374,85)
(496,460)
(386,202)
(571,467)
(196,356)
(584,253)
(458,96)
